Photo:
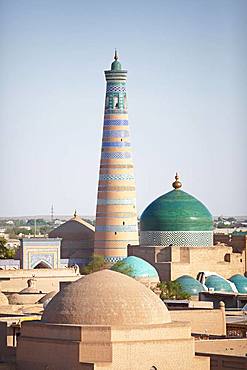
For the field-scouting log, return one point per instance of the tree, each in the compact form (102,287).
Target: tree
(172,290)
(97,263)
(5,252)
(123,268)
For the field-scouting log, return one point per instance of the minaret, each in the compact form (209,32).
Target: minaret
(116,217)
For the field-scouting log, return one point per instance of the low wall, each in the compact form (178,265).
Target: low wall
(47,279)
(224,354)
(211,322)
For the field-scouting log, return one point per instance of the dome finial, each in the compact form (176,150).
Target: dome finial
(75,214)
(177,184)
(116,65)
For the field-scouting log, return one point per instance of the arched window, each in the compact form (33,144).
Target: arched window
(153,368)
(115,102)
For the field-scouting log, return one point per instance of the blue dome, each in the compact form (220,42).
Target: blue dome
(190,285)
(140,268)
(240,282)
(218,284)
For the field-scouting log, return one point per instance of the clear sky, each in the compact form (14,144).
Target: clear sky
(187,92)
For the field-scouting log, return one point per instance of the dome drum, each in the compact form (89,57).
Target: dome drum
(177,238)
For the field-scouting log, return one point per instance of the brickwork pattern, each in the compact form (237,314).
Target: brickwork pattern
(116,218)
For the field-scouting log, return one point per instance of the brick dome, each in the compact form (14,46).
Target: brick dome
(106,298)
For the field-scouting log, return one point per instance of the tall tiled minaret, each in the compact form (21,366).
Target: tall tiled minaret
(116,217)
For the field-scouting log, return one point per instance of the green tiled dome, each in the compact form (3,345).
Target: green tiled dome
(176,211)
(218,284)
(240,282)
(140,268)
(190,285)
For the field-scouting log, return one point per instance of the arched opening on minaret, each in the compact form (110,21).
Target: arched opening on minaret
(115,102)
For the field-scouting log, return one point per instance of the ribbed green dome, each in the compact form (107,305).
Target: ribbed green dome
(176,211)
(218,284)
(190,285)
(240,282)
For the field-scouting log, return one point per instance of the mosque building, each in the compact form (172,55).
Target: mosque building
(176,237)
(116,217)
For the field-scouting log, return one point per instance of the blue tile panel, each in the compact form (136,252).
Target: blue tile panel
(116,122)
(42,257)
(119,177)
(115,88)
(115,144)
(115,155)
(116,133)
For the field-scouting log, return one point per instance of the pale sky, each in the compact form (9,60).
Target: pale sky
(187,94)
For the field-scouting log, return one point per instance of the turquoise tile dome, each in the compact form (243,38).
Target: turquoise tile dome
(190,285)
(176,218)
(140,268)
(218,284)
(240,282)
(176,211)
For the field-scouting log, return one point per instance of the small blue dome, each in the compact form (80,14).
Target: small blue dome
(140,268)
(218,284)
(190,285)
(240,282)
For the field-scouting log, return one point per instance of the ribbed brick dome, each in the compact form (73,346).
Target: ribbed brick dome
(106,298)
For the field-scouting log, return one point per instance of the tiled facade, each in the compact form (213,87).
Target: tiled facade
(44,252)
(116,218)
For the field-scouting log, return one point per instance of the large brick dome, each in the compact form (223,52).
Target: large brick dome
(106,298)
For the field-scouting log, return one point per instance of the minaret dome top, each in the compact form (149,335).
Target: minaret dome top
(116,65)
